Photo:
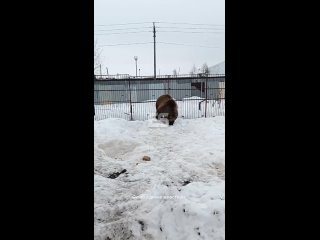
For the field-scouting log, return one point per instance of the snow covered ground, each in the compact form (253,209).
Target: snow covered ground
(189,108)
(179,194)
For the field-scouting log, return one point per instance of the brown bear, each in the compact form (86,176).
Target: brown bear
(167,108)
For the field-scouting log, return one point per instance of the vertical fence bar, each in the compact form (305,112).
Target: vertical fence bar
(130,100)
(205,110)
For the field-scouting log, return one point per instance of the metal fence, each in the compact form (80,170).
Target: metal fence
(133,98)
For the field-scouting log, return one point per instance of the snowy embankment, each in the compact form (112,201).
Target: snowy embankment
(179,194)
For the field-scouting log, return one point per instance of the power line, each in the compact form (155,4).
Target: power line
(193,28)
(121,24)
(157,31)
(188,45)
(109,45)
(119,29)
(142,43)
(176,23)
(121,33)
(191,23)
(191,32)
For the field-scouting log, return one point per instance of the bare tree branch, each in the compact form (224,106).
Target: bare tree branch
(97,56)
(193,70)
(205,68)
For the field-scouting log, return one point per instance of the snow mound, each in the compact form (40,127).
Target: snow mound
(179,194)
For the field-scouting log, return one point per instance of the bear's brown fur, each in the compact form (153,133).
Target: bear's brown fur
(167,107)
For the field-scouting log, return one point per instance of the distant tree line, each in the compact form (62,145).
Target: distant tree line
(203,69)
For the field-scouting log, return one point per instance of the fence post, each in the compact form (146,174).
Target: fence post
(130,100)
(205,110)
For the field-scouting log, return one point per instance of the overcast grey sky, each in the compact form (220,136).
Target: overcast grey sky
(206,43)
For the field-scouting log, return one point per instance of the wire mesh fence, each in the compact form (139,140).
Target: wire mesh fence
(134,98)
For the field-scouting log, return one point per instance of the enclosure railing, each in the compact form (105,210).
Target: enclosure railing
(133,98)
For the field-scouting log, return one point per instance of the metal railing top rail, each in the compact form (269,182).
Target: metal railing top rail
(126,76)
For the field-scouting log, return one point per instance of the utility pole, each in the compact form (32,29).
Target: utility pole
(154,50)
(136,58)
(100,70)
